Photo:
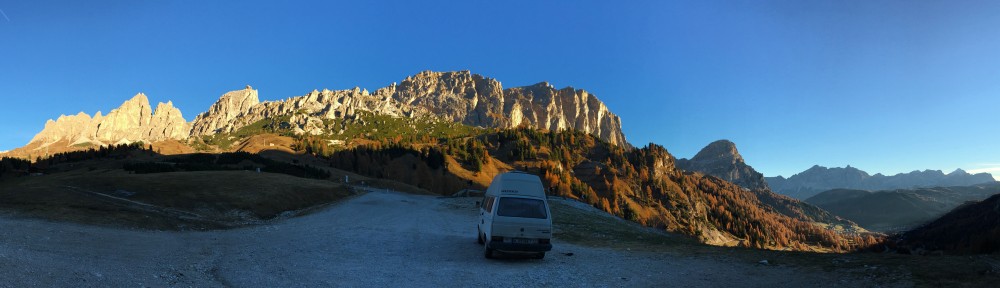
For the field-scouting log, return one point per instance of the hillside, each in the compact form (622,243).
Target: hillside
(639,184)
(901,209)
(98,191)
(721,159)
(970,228)
(818,179)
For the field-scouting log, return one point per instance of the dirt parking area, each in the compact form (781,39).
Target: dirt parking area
(378,239)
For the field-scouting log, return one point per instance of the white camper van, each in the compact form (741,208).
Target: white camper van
(515,216)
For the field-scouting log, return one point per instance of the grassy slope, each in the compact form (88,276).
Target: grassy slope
(223,198)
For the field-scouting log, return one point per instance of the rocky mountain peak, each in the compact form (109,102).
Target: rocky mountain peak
(722,160)
(167,123)
(133,121)
(121,123)
(721,150)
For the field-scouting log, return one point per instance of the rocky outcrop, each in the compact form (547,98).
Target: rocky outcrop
(133,121)
(66,127)
(307,112)
(721,159)
(475,100)
(128,122)
(543,106)
(167,123)
(461,97)
(818,179)
(229,107)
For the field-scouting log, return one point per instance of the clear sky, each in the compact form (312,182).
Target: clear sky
(885,86)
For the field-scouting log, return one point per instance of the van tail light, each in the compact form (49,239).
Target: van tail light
(496,238)
(543,241)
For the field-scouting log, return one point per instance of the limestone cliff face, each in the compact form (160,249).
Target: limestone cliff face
(127,122)
(167,123)
(543,106)
(461,97)
(232,111)
(479,101)
(230,106)
(133,121)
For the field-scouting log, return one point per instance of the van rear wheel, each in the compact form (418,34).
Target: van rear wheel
(540,255)
(488,252)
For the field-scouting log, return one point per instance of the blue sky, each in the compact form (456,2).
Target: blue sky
(886,86)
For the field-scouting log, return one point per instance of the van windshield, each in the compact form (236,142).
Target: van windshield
(521,207)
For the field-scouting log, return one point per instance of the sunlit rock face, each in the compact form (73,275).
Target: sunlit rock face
(462,97)
(133,121)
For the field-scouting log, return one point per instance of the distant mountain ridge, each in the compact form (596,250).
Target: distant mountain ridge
(460,96)
(899,209)
(970,228)
(818,179)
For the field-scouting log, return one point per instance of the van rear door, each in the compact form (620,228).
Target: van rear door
(522,219)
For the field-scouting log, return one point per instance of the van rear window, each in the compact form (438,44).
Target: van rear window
(521,207)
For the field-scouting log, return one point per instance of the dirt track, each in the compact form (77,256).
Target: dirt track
(380,239)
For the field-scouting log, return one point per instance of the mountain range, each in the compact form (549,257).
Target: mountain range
(422,132)
(818,179)
(899,209)
(460,97)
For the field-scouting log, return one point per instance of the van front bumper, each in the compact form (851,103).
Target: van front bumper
(516,247)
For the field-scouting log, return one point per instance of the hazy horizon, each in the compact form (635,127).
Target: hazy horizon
(886,87)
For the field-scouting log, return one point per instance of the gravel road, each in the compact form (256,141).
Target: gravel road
(378,239)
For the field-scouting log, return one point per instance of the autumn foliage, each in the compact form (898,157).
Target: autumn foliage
(638,184)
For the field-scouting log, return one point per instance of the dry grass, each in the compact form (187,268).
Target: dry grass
(599,229)
(265,142)
(490,169)
(171,147)
(220,198)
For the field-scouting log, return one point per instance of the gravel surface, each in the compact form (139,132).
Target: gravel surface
(378,239)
